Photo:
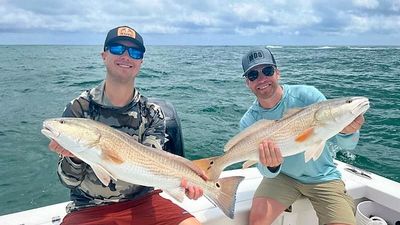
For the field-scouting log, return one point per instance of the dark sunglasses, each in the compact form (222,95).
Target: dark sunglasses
(268,71)
(118,49)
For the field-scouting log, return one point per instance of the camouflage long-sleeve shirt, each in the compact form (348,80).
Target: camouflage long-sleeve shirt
(142,120)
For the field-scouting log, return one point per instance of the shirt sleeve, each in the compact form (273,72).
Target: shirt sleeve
(246,121)
(347,141)
(154,128)
(266,172)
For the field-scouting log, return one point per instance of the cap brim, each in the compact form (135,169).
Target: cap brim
(257,64)
(134,41)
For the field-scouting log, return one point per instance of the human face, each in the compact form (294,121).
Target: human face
(267,70)
(119,49)
(123,66)
(265,87)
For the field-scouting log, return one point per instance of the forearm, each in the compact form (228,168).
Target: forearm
(269,172)
(69,172)
(348,141)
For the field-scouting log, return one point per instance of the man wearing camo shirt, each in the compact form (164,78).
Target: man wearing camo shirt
(117,103)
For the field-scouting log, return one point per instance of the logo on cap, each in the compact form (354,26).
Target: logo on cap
(126,31)
(255,55)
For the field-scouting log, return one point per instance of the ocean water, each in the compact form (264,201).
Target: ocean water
(205,85)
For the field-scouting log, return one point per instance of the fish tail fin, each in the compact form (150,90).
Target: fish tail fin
(209,165)
(225,199)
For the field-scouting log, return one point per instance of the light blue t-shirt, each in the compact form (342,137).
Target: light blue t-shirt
(321,170)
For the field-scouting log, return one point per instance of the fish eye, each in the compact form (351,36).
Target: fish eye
(349,101)
(62,121)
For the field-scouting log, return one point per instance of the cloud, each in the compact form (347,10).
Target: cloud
(369,4)
(373,24)
(233,18)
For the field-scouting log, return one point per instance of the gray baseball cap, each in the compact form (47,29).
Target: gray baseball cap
(255,57)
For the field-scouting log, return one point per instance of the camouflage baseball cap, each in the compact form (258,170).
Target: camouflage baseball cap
(124,33)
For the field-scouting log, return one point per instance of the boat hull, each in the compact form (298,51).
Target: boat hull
(361,185)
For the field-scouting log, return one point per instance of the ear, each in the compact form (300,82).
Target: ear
(103,55)
(278,74)
(247,82)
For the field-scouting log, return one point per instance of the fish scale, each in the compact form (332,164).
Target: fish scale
(300,130)
(113,154)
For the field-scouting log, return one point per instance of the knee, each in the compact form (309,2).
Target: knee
(264,211)
(259,217)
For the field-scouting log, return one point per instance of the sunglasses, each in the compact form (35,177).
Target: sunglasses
(268,71)
(118,49)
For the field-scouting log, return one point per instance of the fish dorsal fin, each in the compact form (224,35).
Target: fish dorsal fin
(103,175)
(254,128)
(314,151)
(291,112)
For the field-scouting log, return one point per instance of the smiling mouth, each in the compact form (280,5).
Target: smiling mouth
(264,86)
(124,65)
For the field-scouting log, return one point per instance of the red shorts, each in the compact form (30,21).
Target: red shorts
(150,209)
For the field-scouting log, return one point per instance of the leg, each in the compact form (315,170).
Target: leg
(264,211)
(271,198)
(190,221)
(338,224)
(331,202)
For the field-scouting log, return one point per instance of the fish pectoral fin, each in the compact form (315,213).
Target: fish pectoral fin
(314,152)
(307,133)
(177,193)
(319,150)
(249,163)
(103,175)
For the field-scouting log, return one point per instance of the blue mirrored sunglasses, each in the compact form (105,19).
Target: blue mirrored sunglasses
(268,71)
(118,49)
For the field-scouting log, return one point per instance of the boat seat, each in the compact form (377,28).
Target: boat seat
(174,144)
(300,212)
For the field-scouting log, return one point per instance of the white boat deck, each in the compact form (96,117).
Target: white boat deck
(361,185)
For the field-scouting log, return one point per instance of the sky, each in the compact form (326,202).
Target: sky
(203,22)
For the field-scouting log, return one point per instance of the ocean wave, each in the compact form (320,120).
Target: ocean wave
(326,47)
(371,48)
(274,46)
(83,83)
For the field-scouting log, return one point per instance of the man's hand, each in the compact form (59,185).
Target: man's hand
(57,148)
(270,154)
(193,192)
(354,126)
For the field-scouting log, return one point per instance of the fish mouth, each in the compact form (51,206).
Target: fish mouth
(50,133)
(362,106)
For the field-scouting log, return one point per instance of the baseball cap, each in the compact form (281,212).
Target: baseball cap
(124,33)
(255,57)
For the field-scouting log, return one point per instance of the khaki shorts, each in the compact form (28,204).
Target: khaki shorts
(329,199)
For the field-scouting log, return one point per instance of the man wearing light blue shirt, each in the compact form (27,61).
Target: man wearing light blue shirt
(287,179)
